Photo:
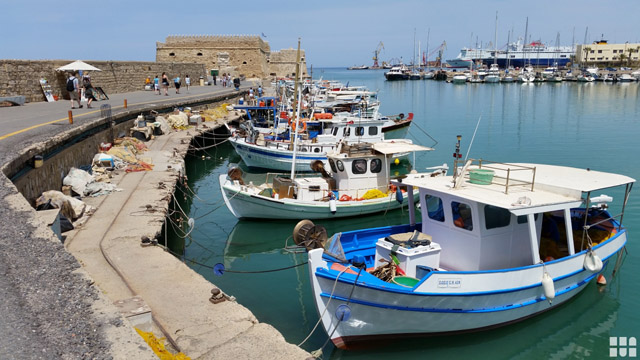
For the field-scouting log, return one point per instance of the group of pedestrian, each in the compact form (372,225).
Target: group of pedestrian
(164,82)
(75,90)
(226,80)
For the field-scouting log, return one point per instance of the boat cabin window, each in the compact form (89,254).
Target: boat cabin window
(496,217)
(340,165)
(316,149)
(522,219)
(461,215)
(434,208)
(373,130)
(359,166)
(335,131)
(346,132)
(376,166)
(333,166)
(360,131)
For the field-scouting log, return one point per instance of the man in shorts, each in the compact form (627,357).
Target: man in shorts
(74,90)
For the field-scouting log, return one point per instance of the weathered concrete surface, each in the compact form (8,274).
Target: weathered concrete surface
(178,296)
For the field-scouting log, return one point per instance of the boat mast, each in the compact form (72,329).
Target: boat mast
(296,111)
(495,42)
(426,62)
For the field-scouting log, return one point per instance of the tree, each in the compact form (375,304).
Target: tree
(586,49)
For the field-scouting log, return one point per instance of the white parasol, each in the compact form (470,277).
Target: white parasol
(78,65)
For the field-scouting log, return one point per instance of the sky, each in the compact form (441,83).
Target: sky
(333,33)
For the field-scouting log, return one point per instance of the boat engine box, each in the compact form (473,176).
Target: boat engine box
(409,258)
(311,189)
(283,187)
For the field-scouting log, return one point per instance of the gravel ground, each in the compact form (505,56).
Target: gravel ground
(45,307)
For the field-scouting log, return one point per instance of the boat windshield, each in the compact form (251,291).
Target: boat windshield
(333,248)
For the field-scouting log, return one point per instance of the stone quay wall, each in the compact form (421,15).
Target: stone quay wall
(22,77)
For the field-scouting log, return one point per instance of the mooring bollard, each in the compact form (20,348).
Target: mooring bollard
(70,117)
(125,103)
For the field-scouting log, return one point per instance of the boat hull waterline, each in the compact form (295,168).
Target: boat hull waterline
(252,206)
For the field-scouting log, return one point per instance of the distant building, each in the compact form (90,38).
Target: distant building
(603,53)
(240,55)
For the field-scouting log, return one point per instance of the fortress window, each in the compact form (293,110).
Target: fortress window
(172,54)
(244,63)
(301,59)
(199,54)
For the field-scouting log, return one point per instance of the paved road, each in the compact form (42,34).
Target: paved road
(45,307)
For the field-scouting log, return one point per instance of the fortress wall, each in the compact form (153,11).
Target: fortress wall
(22,77)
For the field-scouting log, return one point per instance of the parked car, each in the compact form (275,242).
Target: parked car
(610,69)
(624,68)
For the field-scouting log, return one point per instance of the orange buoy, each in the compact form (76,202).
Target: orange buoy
(601,280)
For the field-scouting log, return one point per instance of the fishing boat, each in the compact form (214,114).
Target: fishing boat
(497,243)
(357,184)
(459,79)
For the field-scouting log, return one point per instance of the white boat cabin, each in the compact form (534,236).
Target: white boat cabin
(361,167)
(518,215)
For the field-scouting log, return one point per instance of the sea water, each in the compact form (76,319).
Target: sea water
(584,125)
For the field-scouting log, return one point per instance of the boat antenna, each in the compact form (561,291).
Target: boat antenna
(473,137)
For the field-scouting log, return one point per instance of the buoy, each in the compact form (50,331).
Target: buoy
(396,161)
(592,262)
(601,280)
(332,206)
(547,287)
(399,195)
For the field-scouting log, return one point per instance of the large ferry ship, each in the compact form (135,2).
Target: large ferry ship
(516,54)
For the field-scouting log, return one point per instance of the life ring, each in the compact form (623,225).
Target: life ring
(292,124)
(345,197)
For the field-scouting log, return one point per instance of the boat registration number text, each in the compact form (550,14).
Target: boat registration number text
(449,283)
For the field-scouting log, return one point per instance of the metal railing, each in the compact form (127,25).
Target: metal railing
(504,172)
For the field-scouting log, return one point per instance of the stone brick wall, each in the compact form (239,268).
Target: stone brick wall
(240,55)
(283,63)
(22,77)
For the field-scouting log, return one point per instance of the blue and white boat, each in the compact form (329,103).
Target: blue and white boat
(497,243)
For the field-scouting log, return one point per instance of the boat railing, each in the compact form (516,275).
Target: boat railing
(505,174)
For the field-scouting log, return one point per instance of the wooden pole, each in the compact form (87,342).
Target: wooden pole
(70,117)
(125,103)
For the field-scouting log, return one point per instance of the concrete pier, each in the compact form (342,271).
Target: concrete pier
(108,246)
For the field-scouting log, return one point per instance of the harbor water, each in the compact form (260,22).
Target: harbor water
(584,125)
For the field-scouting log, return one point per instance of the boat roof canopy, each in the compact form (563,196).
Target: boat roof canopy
(398,147)
(554,187)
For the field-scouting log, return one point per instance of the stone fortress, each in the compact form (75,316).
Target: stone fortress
(245,56)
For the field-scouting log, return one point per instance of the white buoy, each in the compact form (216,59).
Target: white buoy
(332,206)
(592,262)
(547,287)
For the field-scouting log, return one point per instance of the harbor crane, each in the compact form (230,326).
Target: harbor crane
(376,52)
(440,49)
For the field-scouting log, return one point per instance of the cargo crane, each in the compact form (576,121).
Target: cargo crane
(376,52)
(439,50)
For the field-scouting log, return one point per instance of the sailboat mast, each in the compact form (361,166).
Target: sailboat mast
(495,42)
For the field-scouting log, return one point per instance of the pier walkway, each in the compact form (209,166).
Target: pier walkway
(111,258)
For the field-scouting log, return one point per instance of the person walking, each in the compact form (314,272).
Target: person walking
(187,81)
(74,90)
(259,90)
(176,83)
(156,85)
(88,89)
(165,83)
(224,80)
(214,79)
